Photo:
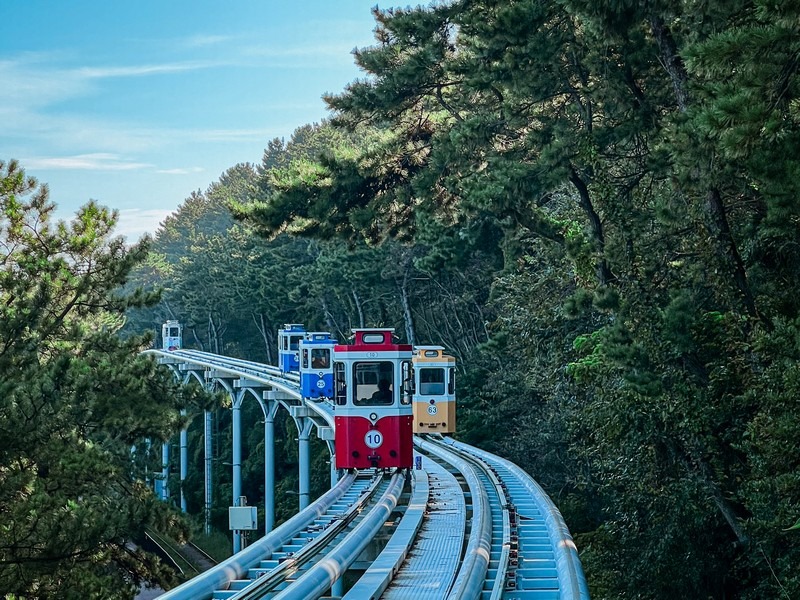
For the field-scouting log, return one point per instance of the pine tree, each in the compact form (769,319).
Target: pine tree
(74,399)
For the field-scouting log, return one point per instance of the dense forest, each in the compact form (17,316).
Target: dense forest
(592,205)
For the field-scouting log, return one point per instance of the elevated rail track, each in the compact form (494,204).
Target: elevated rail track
(466,525)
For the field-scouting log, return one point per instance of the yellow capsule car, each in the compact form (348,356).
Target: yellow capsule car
(434,401)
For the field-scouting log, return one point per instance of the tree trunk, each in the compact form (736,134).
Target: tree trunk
(170,311)
(604,274)
(328,316)
(408,318)
(671,61)
(720,228)
(360,309)
(197,340)
(704,473)
(261,325)
(718,224)
(213,334)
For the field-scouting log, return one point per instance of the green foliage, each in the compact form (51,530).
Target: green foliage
(74,398)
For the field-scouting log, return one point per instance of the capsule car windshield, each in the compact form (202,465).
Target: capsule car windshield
(320,358)
(431,381)
(374,383)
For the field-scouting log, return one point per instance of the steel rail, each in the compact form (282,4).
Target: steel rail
(475,564)
(501,536)
(265,583)
(239,362)
(273,381)
(205,555)
(168,552)
(231,369)
(324,574)
(381,572)
(477,559)
(204,585)
(571,578)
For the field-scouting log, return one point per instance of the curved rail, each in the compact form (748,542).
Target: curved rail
(204,585)
(270,377)
(305,549)
(571,579)
(202,554)
(167,552)
(245,365)
(475,565)
(230,366)
(321,576)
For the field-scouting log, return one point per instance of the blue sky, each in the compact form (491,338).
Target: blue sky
(137,104)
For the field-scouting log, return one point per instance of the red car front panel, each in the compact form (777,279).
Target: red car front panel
(386,444)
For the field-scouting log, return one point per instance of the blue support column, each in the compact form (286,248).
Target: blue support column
(184,451)
(165,471)
(184,462)
(269,406)
(236,464)
(304,425)
(207,478)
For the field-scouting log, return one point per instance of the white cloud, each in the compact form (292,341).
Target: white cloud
(201,40)
(98,161)
(28,81)
(314,55)
(32,86)
(35,80)
(185,171)
(142,70)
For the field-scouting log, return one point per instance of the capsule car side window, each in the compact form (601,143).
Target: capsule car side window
(407,370)
(339,372)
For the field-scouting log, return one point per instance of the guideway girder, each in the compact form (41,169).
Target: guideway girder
(269,400)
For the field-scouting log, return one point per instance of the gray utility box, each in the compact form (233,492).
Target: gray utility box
(243,518)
